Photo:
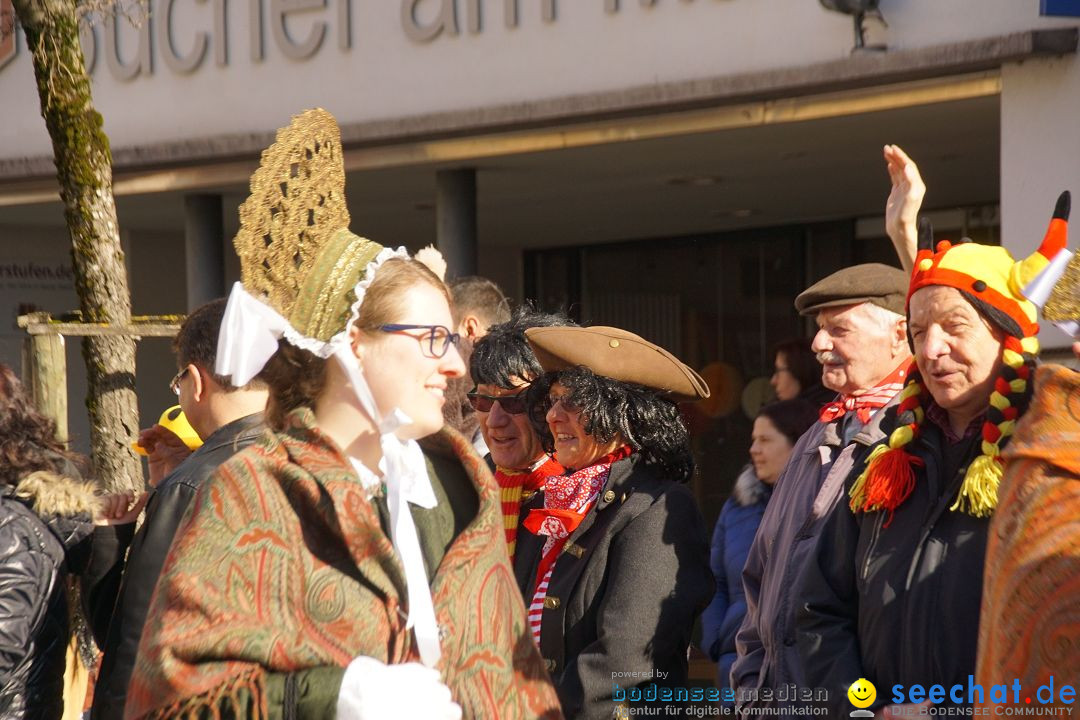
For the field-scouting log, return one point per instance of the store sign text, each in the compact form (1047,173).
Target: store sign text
(298,30)
(425,20)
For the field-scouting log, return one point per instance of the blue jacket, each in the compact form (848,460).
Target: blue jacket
(734,533)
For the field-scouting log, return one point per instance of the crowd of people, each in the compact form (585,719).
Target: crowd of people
(413,500)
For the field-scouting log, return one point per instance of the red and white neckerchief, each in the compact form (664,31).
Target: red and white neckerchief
(865,402)
(567,500)
(512,488)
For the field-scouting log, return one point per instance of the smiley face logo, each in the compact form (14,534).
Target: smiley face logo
(862,693)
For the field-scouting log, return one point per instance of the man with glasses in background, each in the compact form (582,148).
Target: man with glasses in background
(478,304)
(227,419)
(503,366)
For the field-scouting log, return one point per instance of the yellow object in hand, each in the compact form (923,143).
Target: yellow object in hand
(173,419)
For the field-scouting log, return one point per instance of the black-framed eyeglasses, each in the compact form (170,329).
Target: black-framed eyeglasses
(510,404)
(439,337)
(174,384)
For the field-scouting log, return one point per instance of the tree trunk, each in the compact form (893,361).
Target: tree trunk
(84,173)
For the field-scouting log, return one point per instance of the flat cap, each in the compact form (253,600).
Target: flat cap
(882,285)
(616,354)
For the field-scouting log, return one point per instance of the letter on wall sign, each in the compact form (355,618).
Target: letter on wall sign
(174,60)
(279,9)
(142,64)
(445,21)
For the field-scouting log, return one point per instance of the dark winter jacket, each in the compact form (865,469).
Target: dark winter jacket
(131,595)
(897,604)
(43,523)
(735,529)
(804,495)
(624,592)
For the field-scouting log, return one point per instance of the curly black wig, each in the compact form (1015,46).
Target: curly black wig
(504,353)
(650,424)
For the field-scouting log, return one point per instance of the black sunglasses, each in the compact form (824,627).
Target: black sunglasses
(439,337)
(511,404)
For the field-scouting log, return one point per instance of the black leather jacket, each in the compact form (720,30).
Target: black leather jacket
(36,553)
(132,594)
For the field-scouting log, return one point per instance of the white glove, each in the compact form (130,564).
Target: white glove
(371,690)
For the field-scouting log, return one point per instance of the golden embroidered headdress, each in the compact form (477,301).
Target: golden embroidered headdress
(303,278)
(1063,306)
(296,251)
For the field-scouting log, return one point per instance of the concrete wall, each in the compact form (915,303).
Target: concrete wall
(375,71)
(1040,155)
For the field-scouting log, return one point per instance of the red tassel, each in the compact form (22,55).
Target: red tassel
(909,404)
(1010,413)
(991,433)
(892,482)
(1023,372)
(1002,386)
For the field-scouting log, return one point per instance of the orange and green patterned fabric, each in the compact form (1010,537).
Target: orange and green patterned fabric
(282,565)
(1029,628)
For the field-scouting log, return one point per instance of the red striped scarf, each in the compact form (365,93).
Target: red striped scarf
(865,402)
(567,500)
(513,485)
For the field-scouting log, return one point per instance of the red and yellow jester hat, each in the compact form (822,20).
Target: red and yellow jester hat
(994,283)
(990,275)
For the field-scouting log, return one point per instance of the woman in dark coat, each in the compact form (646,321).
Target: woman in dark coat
(45,515)
(777,428)
(612,559)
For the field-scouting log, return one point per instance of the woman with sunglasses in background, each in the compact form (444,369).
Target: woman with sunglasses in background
(613,559)
(335,568)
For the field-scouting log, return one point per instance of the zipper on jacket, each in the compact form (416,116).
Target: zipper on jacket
(873,544)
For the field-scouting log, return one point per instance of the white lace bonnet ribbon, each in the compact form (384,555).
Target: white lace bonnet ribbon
(249,336)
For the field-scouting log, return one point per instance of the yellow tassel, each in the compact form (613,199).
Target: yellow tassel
(912,388)
(999,401)
(1030,345)
(979,492)
(857,493)
(1013,359)
(901,436)
(1018,385)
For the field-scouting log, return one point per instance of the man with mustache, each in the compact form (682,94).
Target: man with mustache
(862,345)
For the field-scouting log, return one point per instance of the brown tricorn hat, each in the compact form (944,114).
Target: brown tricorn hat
(616,354)
(882,285)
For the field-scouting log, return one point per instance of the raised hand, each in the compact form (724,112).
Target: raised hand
(902,207)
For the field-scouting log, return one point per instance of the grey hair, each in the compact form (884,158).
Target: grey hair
(886,318)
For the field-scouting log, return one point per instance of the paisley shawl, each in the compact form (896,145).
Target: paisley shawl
(281,565)
(1029,628)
